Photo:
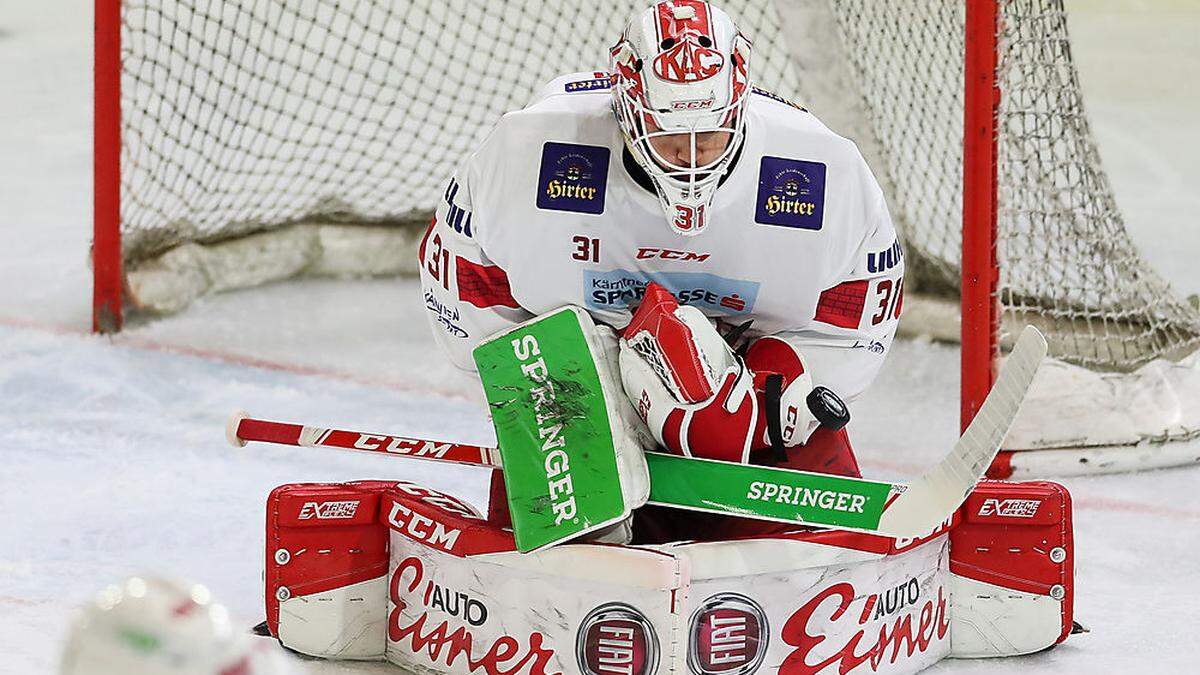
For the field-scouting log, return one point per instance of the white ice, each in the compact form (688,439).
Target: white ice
(112,457)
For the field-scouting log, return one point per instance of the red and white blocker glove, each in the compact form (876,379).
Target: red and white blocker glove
(699,399)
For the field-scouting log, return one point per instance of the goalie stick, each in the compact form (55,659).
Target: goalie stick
(894,509)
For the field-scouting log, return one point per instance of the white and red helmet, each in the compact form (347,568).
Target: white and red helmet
(681,66)
(154,626)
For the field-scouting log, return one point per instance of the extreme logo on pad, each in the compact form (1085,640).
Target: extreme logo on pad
(791,193)
(572,178)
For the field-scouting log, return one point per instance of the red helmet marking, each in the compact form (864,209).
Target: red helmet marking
(677,16)
(687,59)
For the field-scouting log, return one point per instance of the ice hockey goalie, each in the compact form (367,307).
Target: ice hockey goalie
(734,255)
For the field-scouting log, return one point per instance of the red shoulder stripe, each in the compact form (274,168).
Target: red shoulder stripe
(483,285)
(843,304)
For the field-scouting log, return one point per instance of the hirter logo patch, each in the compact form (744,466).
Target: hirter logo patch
(791,193)
(588,85)
(572,178)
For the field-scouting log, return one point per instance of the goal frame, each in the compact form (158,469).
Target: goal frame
(978,301)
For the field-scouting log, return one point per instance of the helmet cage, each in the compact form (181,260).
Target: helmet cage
(684,191)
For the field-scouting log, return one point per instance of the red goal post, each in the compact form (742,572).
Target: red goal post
(107,263)
(980,309)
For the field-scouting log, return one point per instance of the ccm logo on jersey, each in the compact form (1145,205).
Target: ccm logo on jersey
(328,510)
(1010,508)
(647,253)
(572,178)
(791,193)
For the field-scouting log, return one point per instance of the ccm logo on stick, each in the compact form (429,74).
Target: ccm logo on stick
(1010,508)
(402,446)
(328,510)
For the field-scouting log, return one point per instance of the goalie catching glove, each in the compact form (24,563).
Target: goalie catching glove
(699,399)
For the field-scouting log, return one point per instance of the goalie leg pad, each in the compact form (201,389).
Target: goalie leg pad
(454,596)
(327,558)
(745,606)
(1012,558)
(326,569)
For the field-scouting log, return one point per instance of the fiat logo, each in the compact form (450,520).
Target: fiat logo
(728,634)
(616,638)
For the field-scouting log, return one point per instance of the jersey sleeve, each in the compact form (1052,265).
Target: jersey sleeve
(467,296)
(856,316)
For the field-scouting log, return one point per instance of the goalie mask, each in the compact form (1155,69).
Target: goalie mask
(680,90)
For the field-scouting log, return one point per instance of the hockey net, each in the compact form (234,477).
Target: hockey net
(260,140)
(890,75)
(291,120)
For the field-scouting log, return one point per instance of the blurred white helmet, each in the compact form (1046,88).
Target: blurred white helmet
(681,67)
(155,626)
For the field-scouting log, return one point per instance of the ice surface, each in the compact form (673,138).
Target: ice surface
(112,458)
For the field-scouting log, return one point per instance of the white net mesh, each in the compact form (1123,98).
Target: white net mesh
(245,115)
(241,115)
(1064,253)
(1066,261)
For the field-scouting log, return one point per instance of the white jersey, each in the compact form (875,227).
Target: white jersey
(549,211)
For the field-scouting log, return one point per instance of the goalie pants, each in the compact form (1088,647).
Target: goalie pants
(826,452)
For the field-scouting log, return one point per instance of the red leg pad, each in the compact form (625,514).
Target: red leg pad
(1018,536)
(322,536)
